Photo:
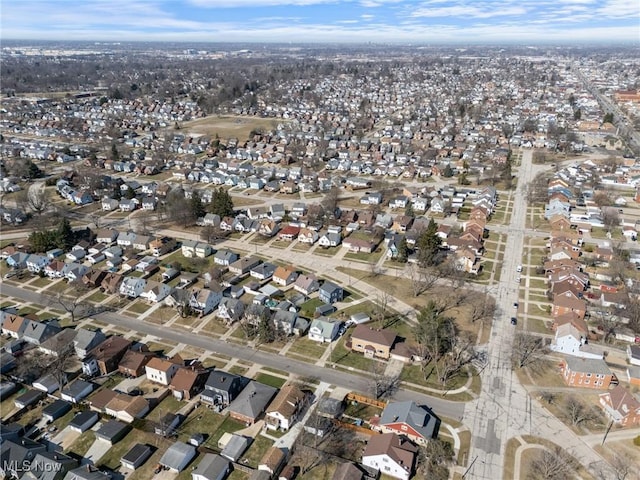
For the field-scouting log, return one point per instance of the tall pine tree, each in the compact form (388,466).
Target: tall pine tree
(429,245)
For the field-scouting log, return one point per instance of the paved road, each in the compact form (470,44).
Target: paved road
(504,408)
(441,406)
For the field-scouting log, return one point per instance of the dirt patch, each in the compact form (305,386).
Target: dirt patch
(229,126)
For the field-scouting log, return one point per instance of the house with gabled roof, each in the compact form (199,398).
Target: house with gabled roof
(85,340)
(204,300)
(417,422)
(324,329)
(161,370)
(225,257)
(221,388)
(230,310)
(284,276)
(105,357)
(188,381)
(251,403)
(391,454)
(587,373)
(285,408)
(373,343)
(306,284)
(621,406)
(568,303)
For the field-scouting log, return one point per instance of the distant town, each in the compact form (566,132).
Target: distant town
(255,262)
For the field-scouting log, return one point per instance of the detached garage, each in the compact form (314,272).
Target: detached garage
(136,456)
(178,456)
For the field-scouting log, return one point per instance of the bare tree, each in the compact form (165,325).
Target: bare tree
(482,306)
(382,385)
(434,460)
(70,301)
(610,218)
(623,467)
(527,350)
(423,279)
(38,199)
(461,354)
(548,396)
(577,412)
(537,191)
(554,464)
(382,307)
(308,458)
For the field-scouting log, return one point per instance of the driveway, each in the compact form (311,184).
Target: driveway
(65,437)
(96,451)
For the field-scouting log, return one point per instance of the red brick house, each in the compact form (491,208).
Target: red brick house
(621,407)
(587,373)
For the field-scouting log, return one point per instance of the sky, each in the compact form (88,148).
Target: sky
(325,21)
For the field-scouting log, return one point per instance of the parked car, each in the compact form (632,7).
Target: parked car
(514,321)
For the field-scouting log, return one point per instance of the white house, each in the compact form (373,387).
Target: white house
(37,263)
(390,454)
(160,370)
(155,291)
(571,341)
(205,300)
(132,287)
(323,330)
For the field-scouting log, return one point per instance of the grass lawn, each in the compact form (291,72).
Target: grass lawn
(365,257)
(270,380)
(256,451)
(228,425)
(328,251)
(40,282)
(82,443)
(213,362)
(138,307)
(213,326)
(465,447)
(301,247)
(537,326)
(308,308)
(510,458)
(367,307)
(346,358)
(307,348)
(201,420)
(97,297)
(238,370)
(169,405)
(158,347)
(414,374)
(27,310)
(188,322)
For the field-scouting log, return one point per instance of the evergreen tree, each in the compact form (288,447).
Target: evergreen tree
(403,251)
(65,236)
(221,203)
(408,211)
(114,152)
(429,245)
(197,208)
(448,171)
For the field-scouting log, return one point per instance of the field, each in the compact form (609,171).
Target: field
(229,126)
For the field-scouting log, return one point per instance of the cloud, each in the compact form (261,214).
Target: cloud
(468,11)
(255,3)
(367,16)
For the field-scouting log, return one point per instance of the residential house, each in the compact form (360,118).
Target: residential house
(162,245)
(244,265)
(36,333)
(85,340)
(330,292)
(330,240)
(324,329)
(134,360)
(372,343)
(568,303)
(37,263)
(161,370)
(587,373)
(204,300)
(13,325)
(289,233)
(268,228)
(251,402)
(306,284)
(230,310)
(284,276)
(263,271)
(307,235)
(93,278)
(221,388)
(126,408)
(285,408)
(132,287)
(390,454)
(105,357)
(633,354)
(571,340)
(417,422)
(188,382)
(225,257)
(111,283)
(621,406)
(155,292)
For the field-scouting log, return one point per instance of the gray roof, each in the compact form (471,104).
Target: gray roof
(178,455)
(84,473)
(587,365)
(56,409)
(138,451)
(221,380)
(252,401)
(75,388)
(46,465)
(235,447)
(329,287)
(211,466)
(112,429)
(419,417)
(38,332)
(83,417)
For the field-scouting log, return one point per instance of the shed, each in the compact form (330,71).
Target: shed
(55,410)
(76,391)
(113,431)
(46,384)
(83,421)
(30,398)
(136,456)
(235,447)
(178,456)
(212,467)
